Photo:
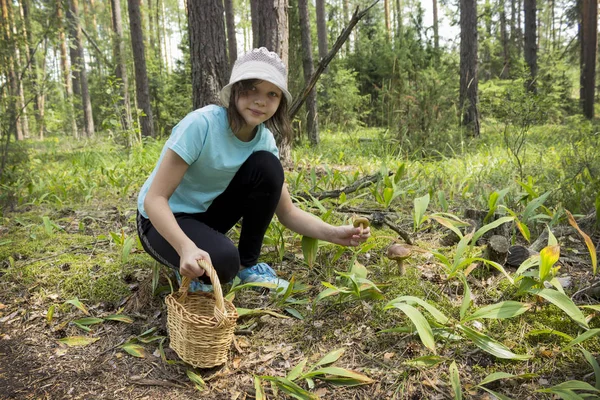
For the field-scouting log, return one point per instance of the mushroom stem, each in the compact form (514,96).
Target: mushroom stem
(401,268)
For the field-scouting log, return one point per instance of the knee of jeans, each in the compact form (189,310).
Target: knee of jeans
(269,167)
(226,261)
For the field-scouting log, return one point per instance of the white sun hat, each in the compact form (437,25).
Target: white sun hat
(258,64)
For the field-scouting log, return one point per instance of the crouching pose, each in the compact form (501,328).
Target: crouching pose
(221,165)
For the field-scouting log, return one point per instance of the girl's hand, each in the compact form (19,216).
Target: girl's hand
(347,235)
(188,263)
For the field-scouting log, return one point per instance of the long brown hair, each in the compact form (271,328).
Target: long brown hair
(279,123)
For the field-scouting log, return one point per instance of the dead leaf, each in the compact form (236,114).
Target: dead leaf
(236,362)
(321,392)
(388,356)
(2,306)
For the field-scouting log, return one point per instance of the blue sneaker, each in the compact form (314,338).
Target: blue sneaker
(262,273)
(195,286)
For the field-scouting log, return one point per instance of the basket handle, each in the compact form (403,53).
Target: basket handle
(220,313)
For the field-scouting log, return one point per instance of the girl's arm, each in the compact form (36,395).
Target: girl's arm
(169,175)
(307,224)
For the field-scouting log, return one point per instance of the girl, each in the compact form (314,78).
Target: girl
(221,165)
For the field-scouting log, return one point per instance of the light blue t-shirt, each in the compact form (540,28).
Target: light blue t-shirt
(204,140)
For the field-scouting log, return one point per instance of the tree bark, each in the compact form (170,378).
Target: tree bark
(589,18)
(312,122)
(32,65)
(139,61)
(388,25)
(254,5)
(119,60)
(436,32)
(322,27)
(78,63)
(11,76)
(66,70)
(207,51)
(505,49)
(231,39)
(468,66)
(23,119)
(530,49)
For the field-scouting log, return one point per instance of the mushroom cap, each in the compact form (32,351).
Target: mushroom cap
(398,252)
(358,221)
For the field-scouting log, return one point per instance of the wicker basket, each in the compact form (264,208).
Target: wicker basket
(201,324)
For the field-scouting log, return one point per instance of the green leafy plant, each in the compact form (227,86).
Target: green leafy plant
(353,285)
(421,204)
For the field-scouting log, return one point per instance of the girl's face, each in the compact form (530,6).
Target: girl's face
(258,103)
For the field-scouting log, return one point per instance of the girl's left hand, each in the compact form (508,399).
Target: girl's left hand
(347,235)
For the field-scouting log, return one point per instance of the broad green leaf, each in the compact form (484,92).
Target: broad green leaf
(548,257)
(538,332)
(236,288)
(594,363)
(310,246)
(498,395)
(421,204)
(244,312)
(523,229)
(448,223)
(425,361)
(293,312)
(331,374)
(455,381)
(466,302)
(490,345)
(290,388)
(574,385)
(534,205)
(588,241)
(330,357)
(494,377)
(583,337)
(423,327)
(359,270)
(551,238)
(134,349)
(595,307)
(532,261)
(196,379)
(563,302)
(435,313)
(297,370)
(481,231)
(74,341)
(88,321)
(79,305)
(127,245)
(327,292)
(462,246)
(565,394)
(259,391)
(495,265)
(82,327)
(50,313)
(504,309)
(119,317)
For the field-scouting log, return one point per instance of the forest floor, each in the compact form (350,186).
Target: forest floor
(61,263)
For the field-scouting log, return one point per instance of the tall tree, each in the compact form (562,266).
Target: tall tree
(273,34)
(142,92)
(66,70)
(10,67)
(231,39)
(388,24)
(119,60)
(530,48)
(322,28)
(312,122)
(254,5)
(78,64)
(436,30)
(505,44)
(468,99)
(207,50)
(589,22)
(18,62)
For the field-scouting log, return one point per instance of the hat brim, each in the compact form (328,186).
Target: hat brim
(225,93)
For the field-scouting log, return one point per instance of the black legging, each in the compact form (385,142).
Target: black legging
(252,195)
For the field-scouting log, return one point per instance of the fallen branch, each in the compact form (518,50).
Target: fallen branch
(357,16)
(359,184)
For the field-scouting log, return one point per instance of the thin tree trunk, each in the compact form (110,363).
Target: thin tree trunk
(312,122)
(33,67)
(119,60)
(207,51)
(530,48)
(321,28)
(346,11)
(436,31)
(254,5)
(12,78)
(231,39)
(589,18)
(165,38)
(468,66)
(66,70)
(505,49)
(79,65)
(388,25)
(19,61)
(139,61)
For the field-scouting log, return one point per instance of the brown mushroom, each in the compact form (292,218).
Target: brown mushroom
(399,253)
(361,222)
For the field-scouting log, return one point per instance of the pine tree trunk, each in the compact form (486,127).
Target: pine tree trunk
(66,71)
(530,49)
(312,122)
(505,49)
(388,25)
(12,78)
(254,5)
(139,61)
(158,45)
(436,32)
(589,18)
(231,39)
(273,34)
(78,63)
(19,62)
(468,66)
(119,61)
(207,51)
(321,28)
